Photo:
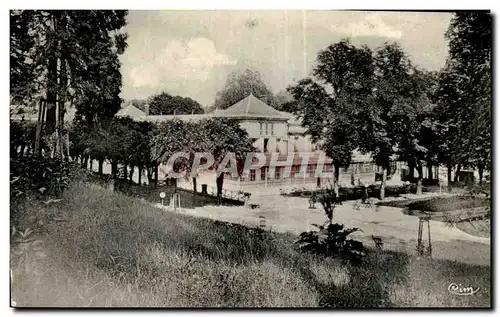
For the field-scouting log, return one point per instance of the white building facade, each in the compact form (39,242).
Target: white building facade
(273,133)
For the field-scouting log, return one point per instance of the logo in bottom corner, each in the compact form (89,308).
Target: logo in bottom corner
(458,289)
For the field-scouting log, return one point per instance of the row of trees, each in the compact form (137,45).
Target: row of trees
(127,144)
(377,101)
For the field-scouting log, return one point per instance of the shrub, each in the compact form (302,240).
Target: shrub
(33,177)
(331,240)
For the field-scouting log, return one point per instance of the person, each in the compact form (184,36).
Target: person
(312,200)
(365,198)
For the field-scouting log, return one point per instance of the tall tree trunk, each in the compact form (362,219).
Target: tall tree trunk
(194,185)
(23,148)
(336,174)
(419,178)
(39,128)
(448,171)
(140,175)
(125,173)
(352,174)
(131,174)
(429,170)
(90,164)
(149,172)
(457,172)
(101,162)
(114,168)
(219,181)
(448,168)
(86,162)
(412,172)
(384,180)
(52,76)
(481,170)
(173,183)
(156,175)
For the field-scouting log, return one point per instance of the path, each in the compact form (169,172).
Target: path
(398,230)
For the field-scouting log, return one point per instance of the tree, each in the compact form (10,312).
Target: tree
(417,128)
(465,92)
(223,136)
(165,104)
(470,42)
(171,137)
(239,85)
(329,101)
(384,117)
(67,57)
(216,136)
(282,99)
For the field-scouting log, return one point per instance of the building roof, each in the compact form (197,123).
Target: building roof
(131,111)
(251,108)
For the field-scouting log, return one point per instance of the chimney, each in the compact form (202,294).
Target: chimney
(146,109)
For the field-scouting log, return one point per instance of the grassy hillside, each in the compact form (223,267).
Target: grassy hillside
(111,250)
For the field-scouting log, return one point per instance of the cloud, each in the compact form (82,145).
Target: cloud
(371,25)
(180,60)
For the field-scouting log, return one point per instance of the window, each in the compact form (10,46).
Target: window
(277,173)
(252,175)
(266,128)
(327,168)
(310,170)
(263,173)
(295,170)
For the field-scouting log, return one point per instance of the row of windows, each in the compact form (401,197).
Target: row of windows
(311,170)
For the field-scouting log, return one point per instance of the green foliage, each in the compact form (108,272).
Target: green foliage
(463,96)
(22,136)
(41,176)
(165,104)
(329,101)
(26,250)
(69,57)
(331,241)
(35,178)
(239,85)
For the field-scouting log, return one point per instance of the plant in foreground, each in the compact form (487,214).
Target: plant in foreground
(331,238)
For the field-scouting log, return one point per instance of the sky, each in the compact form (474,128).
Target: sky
(190,53)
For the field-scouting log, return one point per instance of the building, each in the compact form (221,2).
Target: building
(278,135)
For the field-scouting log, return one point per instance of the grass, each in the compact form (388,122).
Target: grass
(480,228)
(437,204)
(111,250)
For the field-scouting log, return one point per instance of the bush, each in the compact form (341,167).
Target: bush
(33,177)
(331,241)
